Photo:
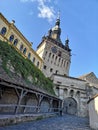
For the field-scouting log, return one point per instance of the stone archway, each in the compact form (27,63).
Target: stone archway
(70,106)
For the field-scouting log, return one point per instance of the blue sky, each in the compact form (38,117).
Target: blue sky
(79,21)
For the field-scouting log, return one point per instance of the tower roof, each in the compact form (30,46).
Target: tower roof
(55,32)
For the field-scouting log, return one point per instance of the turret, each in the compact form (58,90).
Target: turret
(67,45)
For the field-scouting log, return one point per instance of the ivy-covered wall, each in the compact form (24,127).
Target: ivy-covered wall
(28,71)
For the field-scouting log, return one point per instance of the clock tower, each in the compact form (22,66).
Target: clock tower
(56,55)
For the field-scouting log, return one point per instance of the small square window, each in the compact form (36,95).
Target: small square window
(51,70)
(45,67)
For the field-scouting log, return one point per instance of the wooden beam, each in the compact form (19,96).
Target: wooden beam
(39,97)
(22,94)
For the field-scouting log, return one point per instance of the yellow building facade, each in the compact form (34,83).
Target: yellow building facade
(10,33)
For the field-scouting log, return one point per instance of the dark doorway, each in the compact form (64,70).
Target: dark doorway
(70,106)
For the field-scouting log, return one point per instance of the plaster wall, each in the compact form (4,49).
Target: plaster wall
(93,113)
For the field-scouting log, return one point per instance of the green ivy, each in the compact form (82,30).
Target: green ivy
(24,67)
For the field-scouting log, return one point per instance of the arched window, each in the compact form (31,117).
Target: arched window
(56,71)
(34,60)
(21,47)
(45,53)
(44,67)
(11,38)
(65,91)
(57,91)
(67,64)
(24,51)
(78,93)
(49,54)
(53,56)
(62,62)
(51,69)
(59,59)
(38,64)
(29,55)
(15,42)
(71,93)
(3,31)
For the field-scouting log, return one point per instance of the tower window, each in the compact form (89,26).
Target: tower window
(51,69)
(45,53)
(53,56)
(3,31)
(59,54)
(66,64)
(49,54)
(62,62)
(15,42)
(45,67)
(56,72)
(59,59)
(11,38)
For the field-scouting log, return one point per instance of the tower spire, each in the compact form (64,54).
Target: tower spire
(58,19)
(67,44)
(55,32)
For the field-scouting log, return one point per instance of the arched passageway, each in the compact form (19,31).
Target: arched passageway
(70,106)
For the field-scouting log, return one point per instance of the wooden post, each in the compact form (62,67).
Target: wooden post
(20,97)
(39,97)
(51,105)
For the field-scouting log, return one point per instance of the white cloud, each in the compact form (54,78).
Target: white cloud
(45,11)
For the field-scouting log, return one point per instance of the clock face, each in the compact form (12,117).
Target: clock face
(54,49)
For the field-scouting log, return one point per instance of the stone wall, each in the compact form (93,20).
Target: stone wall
(74,89)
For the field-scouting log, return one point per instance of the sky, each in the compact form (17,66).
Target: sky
(78,22)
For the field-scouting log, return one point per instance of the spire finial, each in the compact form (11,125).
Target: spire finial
(67,40)
(58,16)
(58,19)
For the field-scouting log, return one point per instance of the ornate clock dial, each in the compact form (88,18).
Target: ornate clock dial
(54,49)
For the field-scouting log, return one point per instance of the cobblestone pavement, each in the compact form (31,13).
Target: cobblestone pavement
(66,122)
